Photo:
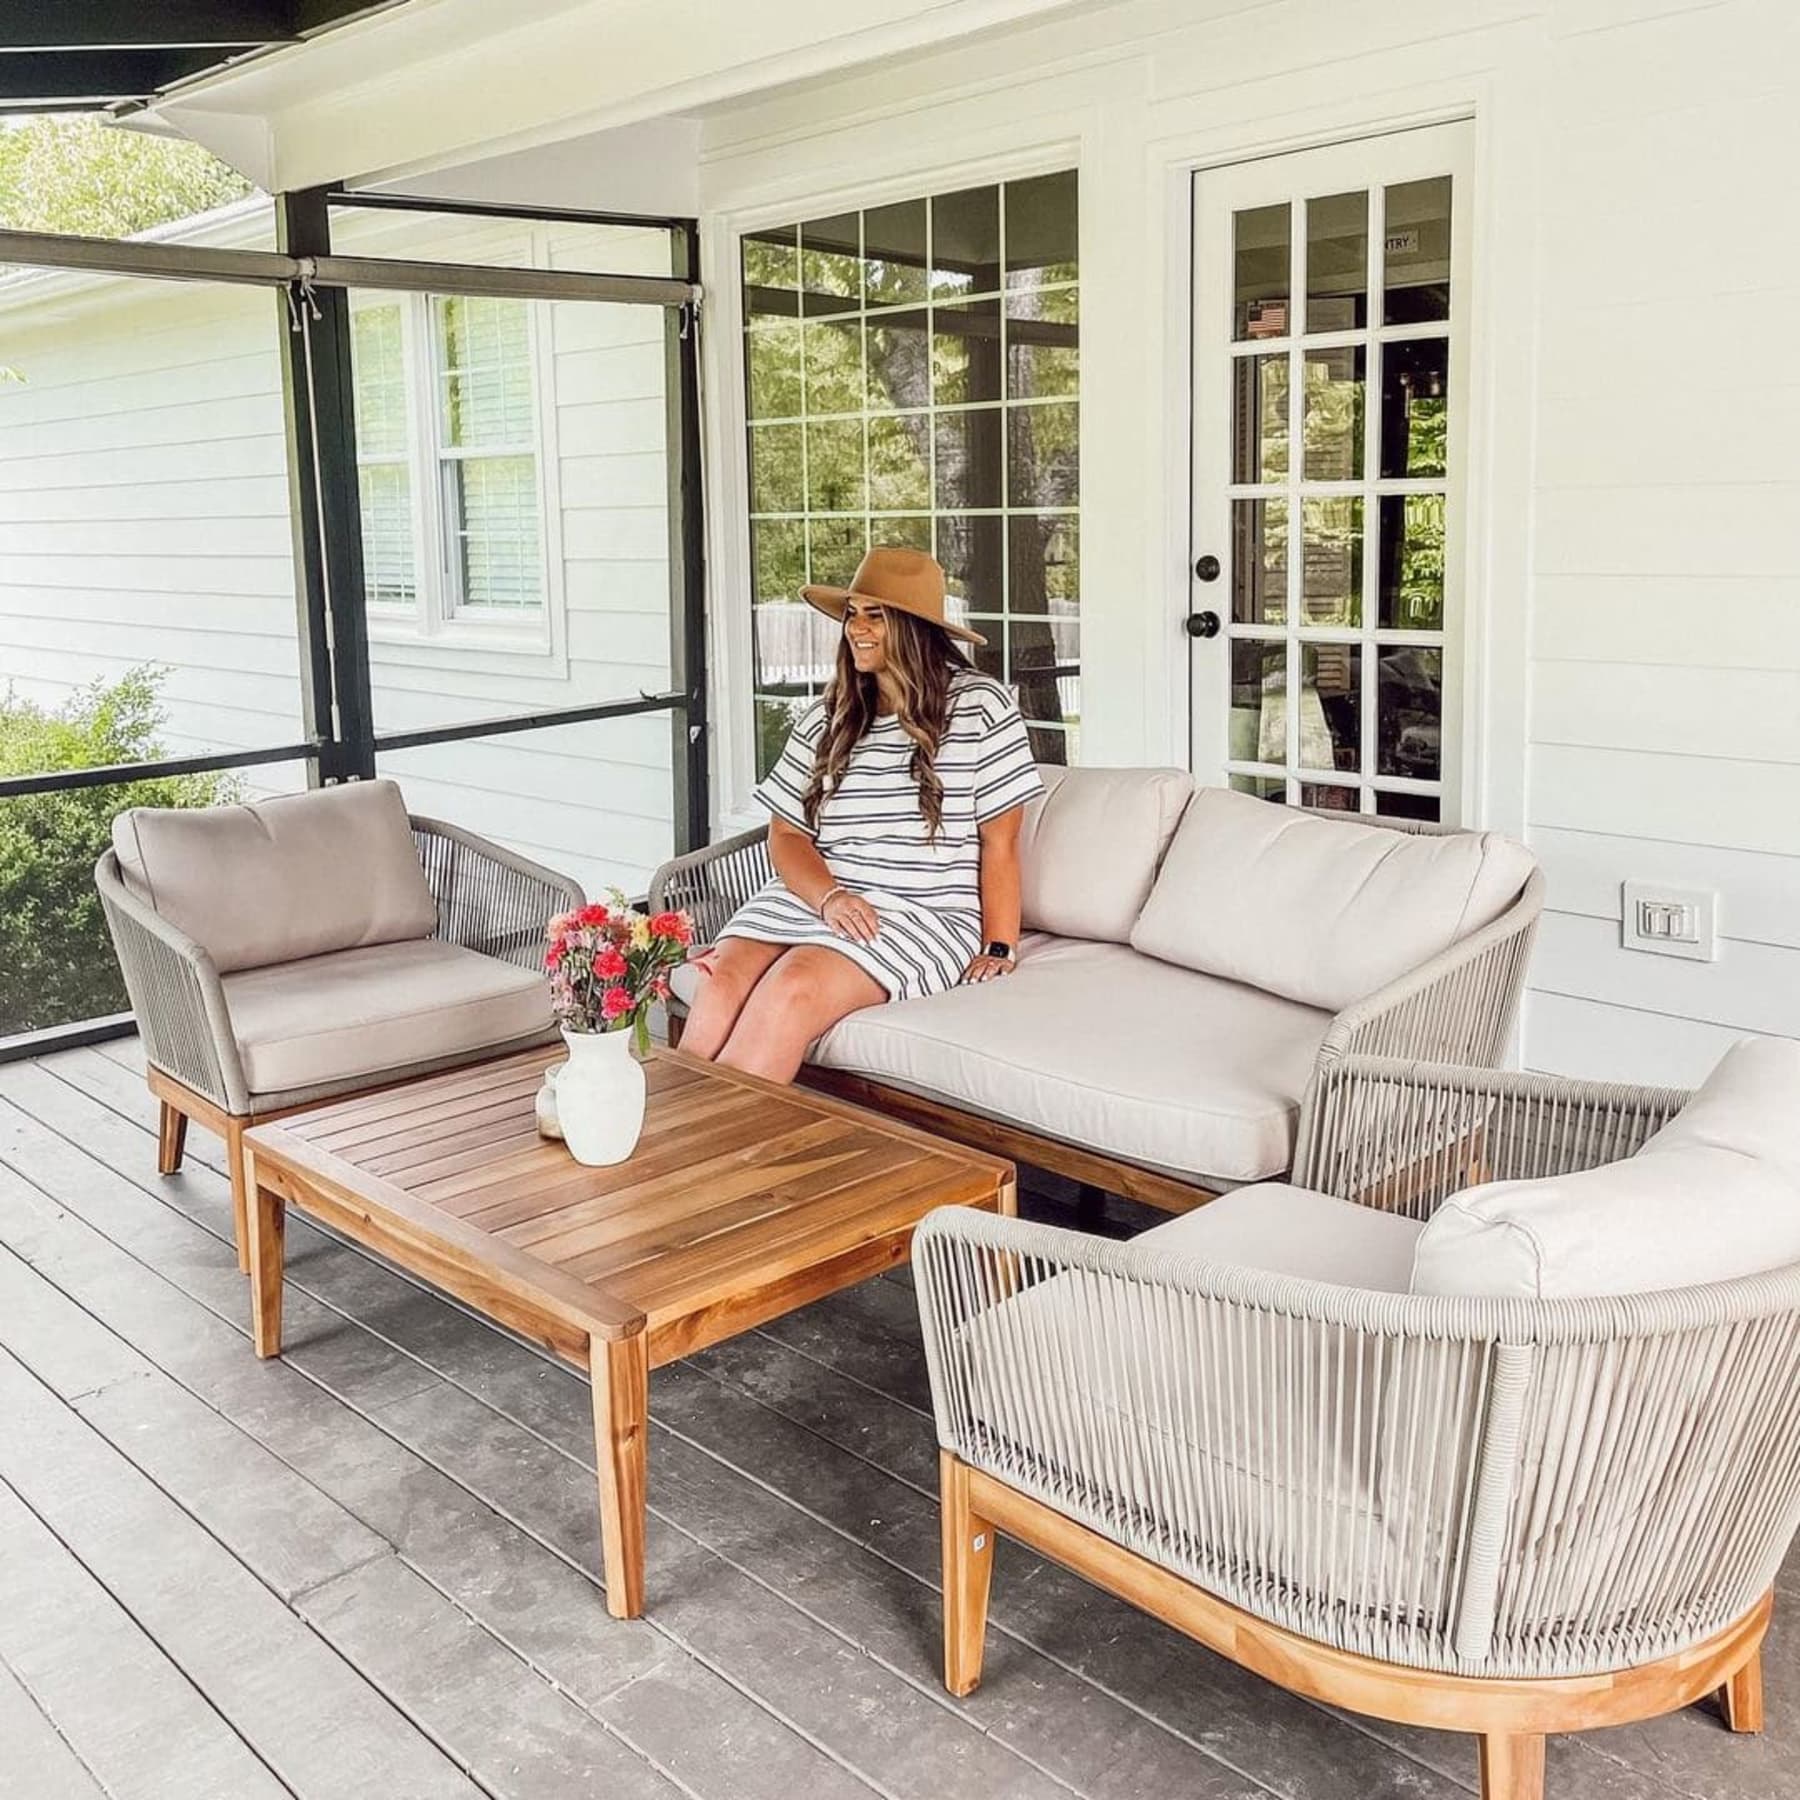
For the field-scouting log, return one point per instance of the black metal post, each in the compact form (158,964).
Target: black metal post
(319,397)
(687,558)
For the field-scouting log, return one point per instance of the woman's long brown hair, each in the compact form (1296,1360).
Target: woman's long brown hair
(921,661)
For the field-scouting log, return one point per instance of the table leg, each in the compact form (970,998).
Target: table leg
(621,1375)
(267,1223)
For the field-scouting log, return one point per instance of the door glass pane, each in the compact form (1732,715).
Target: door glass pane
(1337,262)
(833,549)
(1261,787)
(1331,707)
(777,558)
(1409,712)
(1262,276)
(1259,418)
(971,551)
(1415,407)
(1259,561)
(1258,701)
(772,272)
(1412,562)
(1408,806)
(1333,417)
(1417,252)
(1331,565)
(1328,796)
(894,253)
(777,469)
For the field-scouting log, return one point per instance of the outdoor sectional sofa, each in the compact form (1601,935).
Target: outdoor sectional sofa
(1493,1425)
(1192,959)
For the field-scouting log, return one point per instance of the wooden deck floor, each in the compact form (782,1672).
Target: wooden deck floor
(370,1569)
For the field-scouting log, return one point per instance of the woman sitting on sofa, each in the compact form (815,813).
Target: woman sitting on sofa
(895,832)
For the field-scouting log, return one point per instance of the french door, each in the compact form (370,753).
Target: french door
(1331,288)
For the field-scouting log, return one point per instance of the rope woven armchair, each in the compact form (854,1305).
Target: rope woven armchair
(440,965)
(1497,1515)
(1453,1004)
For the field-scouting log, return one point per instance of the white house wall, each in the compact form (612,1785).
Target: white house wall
(1632,641)
(144,519)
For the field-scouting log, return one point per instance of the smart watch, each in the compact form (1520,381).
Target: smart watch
(1002,952)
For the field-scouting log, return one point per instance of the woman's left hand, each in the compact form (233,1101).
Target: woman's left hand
(988,968)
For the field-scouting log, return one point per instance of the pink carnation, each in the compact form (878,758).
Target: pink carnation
(609,964)
(616,1002)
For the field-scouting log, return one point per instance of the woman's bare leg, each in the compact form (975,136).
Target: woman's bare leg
(735,968)
(810,989)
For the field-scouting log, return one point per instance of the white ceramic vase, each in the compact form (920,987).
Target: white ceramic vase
(600,1097)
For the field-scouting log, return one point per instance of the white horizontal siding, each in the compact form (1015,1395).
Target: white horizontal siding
(144,517)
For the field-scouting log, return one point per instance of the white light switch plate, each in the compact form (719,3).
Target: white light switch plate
(1671,921)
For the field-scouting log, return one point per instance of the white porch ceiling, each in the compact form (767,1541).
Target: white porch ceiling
(437,82)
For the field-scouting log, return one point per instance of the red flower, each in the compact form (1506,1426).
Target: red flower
(592,914)
(616,1002)
(676,925)
(609,964)
(554,955)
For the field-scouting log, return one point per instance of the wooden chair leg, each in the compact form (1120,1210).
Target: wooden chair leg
(1743,1696)
(968,1573)
(240,1190)
(171,1139)
(1512,1768)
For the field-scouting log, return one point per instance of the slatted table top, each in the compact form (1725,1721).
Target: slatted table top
(741,1199)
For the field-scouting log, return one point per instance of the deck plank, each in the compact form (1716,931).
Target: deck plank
(35,1747)
(796,1490)
(267,1675)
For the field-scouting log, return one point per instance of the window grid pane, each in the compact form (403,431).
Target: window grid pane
(1338,552)
(928,396)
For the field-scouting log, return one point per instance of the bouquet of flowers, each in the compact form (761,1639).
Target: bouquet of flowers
(608,963)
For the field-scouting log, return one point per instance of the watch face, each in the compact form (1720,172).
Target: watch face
(1003,951)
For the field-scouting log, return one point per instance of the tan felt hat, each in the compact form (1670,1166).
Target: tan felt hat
(905,581)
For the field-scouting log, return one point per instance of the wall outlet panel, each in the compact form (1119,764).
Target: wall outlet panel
(1670,921)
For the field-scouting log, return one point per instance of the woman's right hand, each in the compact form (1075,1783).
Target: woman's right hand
(851,916)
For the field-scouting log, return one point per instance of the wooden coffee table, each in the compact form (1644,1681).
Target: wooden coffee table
(743,1200)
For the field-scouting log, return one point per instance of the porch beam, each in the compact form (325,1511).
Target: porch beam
(165,24)
(34,76)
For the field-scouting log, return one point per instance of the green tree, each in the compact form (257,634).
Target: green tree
(56,959)
(79,174)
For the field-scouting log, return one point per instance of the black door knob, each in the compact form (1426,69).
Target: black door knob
(1207,568)
(1202,624)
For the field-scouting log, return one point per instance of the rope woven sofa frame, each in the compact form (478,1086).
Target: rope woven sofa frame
(488,900)
(1509,1517)
(1457,1007)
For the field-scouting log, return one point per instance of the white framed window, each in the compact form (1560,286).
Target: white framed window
(451,469)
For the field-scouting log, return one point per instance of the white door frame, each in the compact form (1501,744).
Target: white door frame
(1218,192)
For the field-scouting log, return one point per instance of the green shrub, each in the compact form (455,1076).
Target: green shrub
(56,959)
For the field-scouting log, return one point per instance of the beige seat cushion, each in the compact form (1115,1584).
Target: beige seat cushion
(368,1012)
(1090,846)
(1100,1047)
(1715,1194)
(1323,911)
(298,875)
(1296,1231)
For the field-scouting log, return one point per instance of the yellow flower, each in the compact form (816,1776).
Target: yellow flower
(640,934)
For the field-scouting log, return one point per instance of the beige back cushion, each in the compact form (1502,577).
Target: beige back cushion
(1715,1194)
(1323,911)
(1090,846)
(296,876)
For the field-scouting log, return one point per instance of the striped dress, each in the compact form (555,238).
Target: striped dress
(872,836)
